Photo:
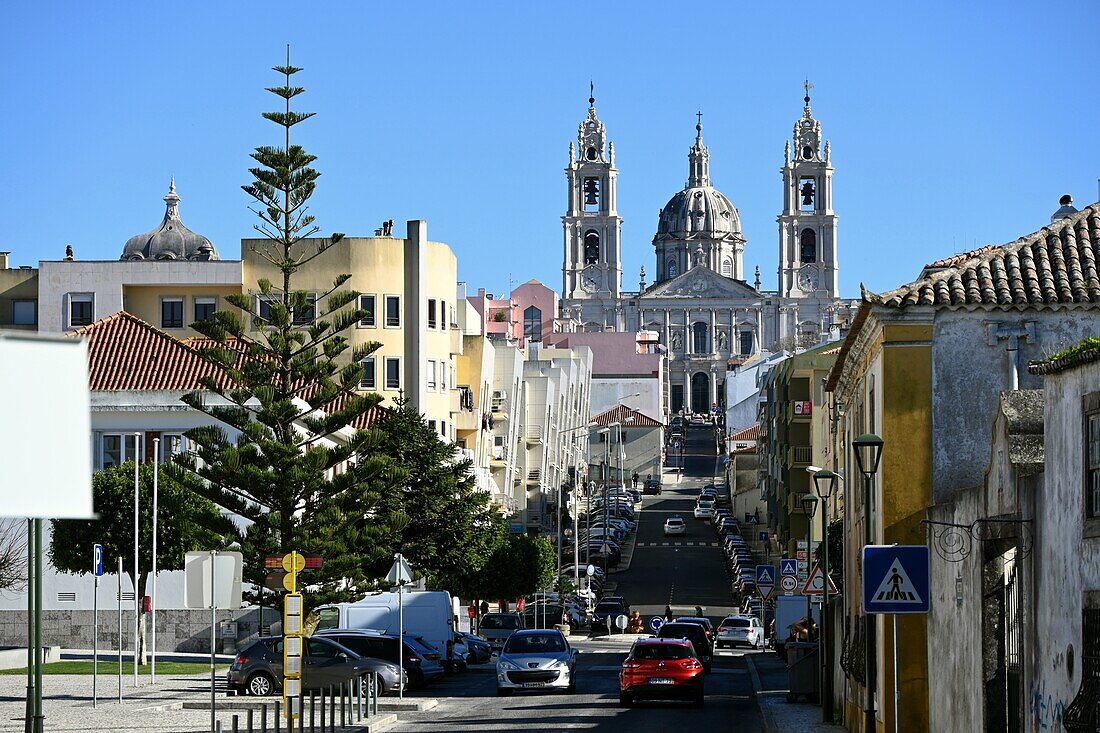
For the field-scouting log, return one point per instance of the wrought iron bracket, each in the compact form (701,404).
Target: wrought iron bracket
(955,542)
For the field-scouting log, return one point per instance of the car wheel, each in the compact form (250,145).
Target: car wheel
(260,684)
(625,699)
(572,683)
(503,692)
(376,681)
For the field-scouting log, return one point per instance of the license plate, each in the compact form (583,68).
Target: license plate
(659,681)
(534,684)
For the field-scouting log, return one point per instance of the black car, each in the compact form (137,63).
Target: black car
(607,611)
(416,659)
(694,633)
(258,669)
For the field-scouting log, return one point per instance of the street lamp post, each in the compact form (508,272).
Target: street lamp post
(825,483)
(809,506)
(868,453)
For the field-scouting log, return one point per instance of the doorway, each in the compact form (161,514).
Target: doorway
(700,392)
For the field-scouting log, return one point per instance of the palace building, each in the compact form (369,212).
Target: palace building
(700,303)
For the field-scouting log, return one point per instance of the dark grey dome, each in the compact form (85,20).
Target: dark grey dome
(171,240)
(698,210)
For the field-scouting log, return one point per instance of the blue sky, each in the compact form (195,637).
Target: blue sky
(952,124)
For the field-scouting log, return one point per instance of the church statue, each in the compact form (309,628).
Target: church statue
(677,342)
(723,341)
(699,256)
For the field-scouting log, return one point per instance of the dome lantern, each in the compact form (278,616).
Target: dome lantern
(171,240)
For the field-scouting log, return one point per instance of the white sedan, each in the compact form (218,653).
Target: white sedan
(736,630)
(675,525)
(704,510)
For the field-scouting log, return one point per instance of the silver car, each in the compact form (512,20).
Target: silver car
(536,659)
(495,628)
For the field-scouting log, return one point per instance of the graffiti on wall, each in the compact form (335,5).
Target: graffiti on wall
(1045,712)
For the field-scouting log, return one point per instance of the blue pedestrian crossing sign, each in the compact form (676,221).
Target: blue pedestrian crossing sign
(765,575)
(788,566)
(656,623)
(896,579)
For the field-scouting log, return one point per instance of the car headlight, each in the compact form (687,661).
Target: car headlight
(556,664)
(505,665)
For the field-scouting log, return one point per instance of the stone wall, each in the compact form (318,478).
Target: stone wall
(177,630)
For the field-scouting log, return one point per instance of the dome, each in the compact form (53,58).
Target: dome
(698,210)
(171,240)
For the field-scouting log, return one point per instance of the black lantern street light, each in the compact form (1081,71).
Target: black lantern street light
(825,484)
(809,506)
(868,453)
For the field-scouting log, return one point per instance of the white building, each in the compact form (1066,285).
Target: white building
(700,302)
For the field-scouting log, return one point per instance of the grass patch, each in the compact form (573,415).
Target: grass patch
(111,668)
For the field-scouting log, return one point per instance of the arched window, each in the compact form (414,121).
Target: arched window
(591,247)
(699,332)
(673,270)
(727,267)
(593,327)
(532,324)
(807,241)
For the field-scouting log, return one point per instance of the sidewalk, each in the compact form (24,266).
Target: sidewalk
(769,682)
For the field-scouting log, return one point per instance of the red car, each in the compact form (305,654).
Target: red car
(661,669)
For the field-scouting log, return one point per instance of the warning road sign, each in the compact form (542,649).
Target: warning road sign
(815,584)
(896,579)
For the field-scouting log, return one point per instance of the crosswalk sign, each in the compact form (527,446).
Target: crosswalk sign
(896,579)
(765,575)
(788,566)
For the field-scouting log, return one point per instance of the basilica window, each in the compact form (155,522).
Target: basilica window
(807,245)
(591,247)
(673,270)
(808,334)
(727,267)
(532,324)
(807,192)
(744,343)
(699,332)
(592,195)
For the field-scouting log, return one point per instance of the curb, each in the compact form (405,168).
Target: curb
(757,689)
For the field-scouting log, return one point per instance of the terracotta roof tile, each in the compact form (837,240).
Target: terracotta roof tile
(1055,265)
(620,413)
(126,353)
(752,432)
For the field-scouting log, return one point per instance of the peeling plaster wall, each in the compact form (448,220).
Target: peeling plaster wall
(955,630)
(1068,564)
(968,375)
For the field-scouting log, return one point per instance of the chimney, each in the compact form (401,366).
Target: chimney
(4,260)
(1066,209)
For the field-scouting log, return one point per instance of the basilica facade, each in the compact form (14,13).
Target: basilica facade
(700,303)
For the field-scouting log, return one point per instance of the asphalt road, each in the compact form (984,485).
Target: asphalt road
(688,571)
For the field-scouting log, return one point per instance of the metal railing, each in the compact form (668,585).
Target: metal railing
(337,707)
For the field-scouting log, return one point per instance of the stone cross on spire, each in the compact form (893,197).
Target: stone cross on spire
(807,86)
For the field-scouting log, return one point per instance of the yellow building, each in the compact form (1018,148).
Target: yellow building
(882,380)
(408,287)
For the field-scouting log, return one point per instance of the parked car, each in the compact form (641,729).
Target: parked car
(536,659)
(735,630)
(258,669)
(497,627)
(675,525)
(704,509)
(693,633)
(662,669)
(478,649)
(420,669)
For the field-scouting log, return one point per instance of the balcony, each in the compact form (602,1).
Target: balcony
(499,454)
(456,341)
(533,434)
(534,476)
(800,455)
(800,410)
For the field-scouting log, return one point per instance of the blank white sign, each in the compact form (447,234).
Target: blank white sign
(45,427)
(227,579)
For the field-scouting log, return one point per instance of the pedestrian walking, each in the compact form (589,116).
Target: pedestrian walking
(634,479)
(668,613)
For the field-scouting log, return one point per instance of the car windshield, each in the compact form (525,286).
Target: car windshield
(675,520)
(741,623)
(680,631)
(663,652)
(499,622)
(534,644)
(608,607)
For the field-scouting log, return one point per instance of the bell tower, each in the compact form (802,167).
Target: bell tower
(808,266)
(592,262)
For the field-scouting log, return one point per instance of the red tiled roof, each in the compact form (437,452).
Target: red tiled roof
(126,353)
(958,259)
(620,413)
(752,432)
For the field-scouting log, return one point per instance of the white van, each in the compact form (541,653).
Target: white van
(427,614)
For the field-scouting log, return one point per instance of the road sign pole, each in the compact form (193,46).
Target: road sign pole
(95,638)
(897,687)
(213,632)
(137,540)
(153,571)
(120,628)
(400,641)
(868,619)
